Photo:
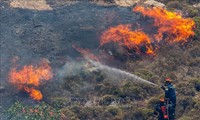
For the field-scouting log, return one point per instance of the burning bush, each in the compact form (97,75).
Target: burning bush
(171,28)
(30,77)
(123,35)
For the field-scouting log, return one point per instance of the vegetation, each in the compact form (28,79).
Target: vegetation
(197,28)
(102,98)
(42,111)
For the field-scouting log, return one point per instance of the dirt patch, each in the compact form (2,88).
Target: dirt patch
(126,3)
(31,4)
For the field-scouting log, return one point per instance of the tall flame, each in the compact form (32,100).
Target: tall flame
(123,35)
(177,28)
(35,94)
(32,76)
(171,28)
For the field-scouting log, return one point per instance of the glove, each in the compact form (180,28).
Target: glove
(155,113)
(163,87)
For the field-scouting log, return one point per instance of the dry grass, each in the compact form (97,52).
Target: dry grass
(31,4)
(126,2)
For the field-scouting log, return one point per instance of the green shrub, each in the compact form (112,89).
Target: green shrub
(197,106)
(107,100)
(171,60)
(163,1)
(88,113)
(59,102)
(194,113)
(100,88)
(115,91)
(195,52)
(72,83)
(195,62)
(114,111)
(150,90)
(144,74)
(68,114)
(184,105)
(196,83)
(174,5)
(138,91)
(192,1)
(147,75)
(133,91)
(185,118)
(142,114)
(152,102)
(42,111)
(197,27)
(85,113)
(107,89)
(185,88)
(192,12)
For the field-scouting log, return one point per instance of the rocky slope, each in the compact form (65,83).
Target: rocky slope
(37,29)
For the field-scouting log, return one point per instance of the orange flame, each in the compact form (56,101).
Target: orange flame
(177,28)
(123,35)
(35,94)
(86,53)
(31,76)
(171,26)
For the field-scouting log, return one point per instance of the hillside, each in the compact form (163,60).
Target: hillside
(46,47)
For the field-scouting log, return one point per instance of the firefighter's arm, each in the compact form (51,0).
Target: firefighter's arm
(156,110)
(163,87)
(155,113)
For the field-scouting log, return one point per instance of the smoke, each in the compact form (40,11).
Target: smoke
(70,69)
(117,73)
(37,35)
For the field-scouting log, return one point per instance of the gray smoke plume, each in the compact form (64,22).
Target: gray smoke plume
(117,73)
(70,69)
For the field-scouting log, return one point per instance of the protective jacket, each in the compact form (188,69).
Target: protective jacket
(170,93)
(165,111)
(162,111)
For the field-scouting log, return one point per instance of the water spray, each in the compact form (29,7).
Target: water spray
(117,72)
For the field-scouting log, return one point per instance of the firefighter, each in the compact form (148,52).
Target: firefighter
(170,95)
(161,110)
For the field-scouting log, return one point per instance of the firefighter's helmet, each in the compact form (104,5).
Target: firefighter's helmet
(168,80)
(162,100)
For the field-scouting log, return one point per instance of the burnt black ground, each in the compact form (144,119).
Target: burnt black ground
(32,35)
